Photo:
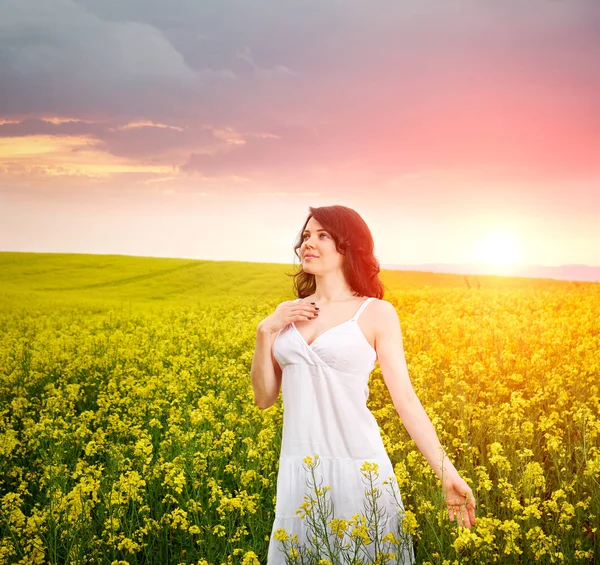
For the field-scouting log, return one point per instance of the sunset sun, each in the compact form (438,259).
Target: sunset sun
(498,248)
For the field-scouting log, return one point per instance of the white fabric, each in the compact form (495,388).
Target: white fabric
(325,391)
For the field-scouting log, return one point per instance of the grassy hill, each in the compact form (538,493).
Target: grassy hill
(42,280)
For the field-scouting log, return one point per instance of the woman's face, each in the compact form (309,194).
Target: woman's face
(318,242)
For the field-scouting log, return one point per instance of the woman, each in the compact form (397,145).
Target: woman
(316,351)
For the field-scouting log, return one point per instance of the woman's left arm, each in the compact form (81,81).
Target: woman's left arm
(390,354)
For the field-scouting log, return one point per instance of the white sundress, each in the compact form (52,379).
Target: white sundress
(325,390)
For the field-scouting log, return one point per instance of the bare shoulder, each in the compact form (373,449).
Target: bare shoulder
(384,315)
(384,309)
(385,328)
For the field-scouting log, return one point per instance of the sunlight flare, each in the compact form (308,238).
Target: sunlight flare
(499,248)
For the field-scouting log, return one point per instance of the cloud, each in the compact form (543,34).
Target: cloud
(162,144)
(47,126)
(246,55)
(286,150)
(60,58)
(49,155)
(286,88)
(148,124)
(137,139)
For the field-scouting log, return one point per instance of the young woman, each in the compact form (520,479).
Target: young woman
(320,355)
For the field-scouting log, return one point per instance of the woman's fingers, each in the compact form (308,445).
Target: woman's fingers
(464,515)
(307,312)
(463,510)
(471,511)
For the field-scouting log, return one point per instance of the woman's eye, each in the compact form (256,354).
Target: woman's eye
(306,235)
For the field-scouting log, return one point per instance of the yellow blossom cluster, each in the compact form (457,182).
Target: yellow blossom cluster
(132,434)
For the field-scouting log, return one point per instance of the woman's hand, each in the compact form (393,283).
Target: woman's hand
(287,312)
(460,500)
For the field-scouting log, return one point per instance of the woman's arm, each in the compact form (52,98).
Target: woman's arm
(265,371)
(390,353)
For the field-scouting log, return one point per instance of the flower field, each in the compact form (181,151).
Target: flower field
(129,434)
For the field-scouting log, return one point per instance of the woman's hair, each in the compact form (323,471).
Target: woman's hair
(353,239)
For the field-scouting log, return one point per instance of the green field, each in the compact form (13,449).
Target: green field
(128,432)
(42,280)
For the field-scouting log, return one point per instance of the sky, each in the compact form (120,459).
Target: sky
(461,131)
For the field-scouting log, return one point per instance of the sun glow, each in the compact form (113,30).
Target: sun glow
(499,249)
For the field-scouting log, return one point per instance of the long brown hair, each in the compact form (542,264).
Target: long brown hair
(354,240)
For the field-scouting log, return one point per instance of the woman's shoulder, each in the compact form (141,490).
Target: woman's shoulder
(383,307)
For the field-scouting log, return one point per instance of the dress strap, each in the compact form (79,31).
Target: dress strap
(362,307)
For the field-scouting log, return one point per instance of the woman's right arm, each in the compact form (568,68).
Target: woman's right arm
(266,372)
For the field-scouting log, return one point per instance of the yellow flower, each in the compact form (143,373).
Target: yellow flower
(338,527)
(369,467)
(250,558)
(533,477)
(497,458)
(409,522)
(511,533)
(128,545)
(281,535)
(466,539)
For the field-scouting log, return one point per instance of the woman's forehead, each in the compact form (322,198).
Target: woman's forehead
(314,224)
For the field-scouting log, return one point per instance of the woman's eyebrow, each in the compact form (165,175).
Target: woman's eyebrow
(305,231)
